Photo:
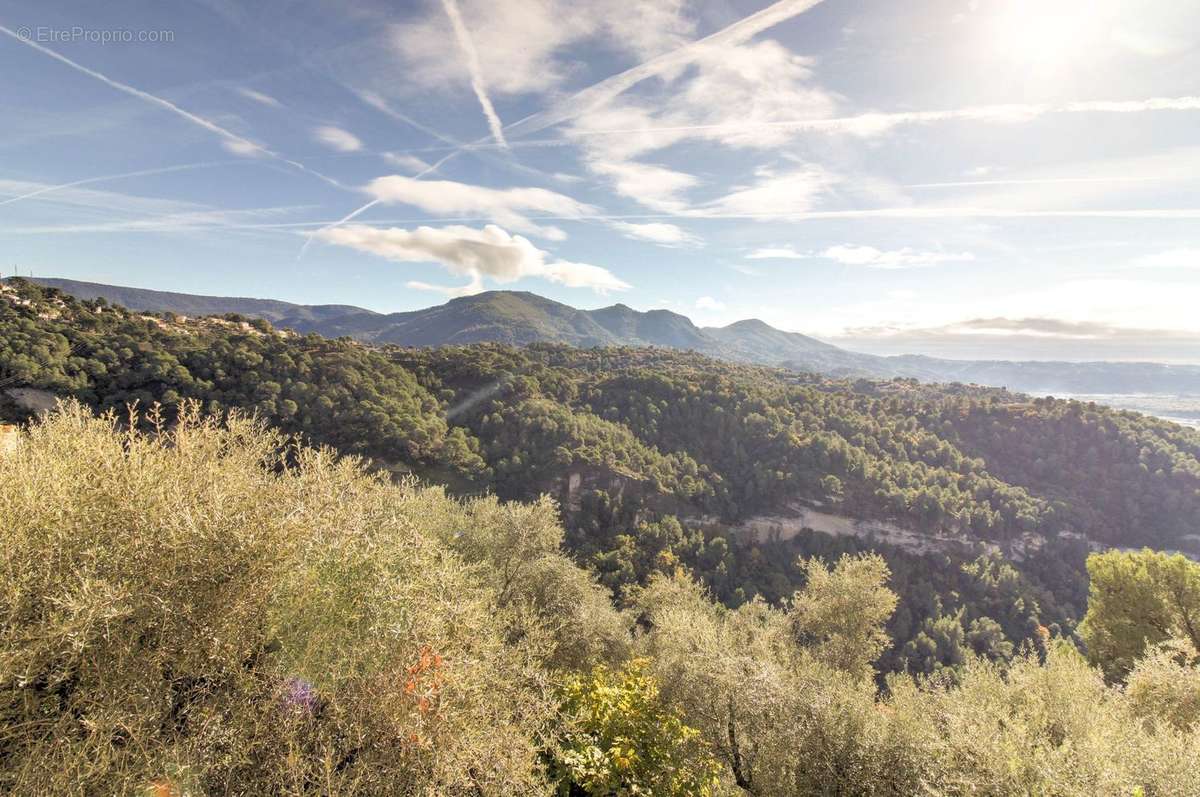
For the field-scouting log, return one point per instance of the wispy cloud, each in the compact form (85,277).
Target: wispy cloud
(778,253)
(450,291)
(601,93)
(749,271)
(259,97)
(509,206)
(871,257)
(657,232)
(709,303)
(232,141)
(490,253)
(774,194)
(656,187)
(869,124)
(866,256)
(723,84)
(463,36)
(337,139)
(410,163)
(534,46)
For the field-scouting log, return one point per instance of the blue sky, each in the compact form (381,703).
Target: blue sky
(1008,178)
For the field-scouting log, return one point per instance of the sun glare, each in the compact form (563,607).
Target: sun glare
(1050,36)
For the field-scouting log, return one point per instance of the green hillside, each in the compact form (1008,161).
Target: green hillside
(658,457)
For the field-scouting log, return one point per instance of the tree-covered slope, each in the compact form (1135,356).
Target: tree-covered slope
(731,440)
(657,457)
(335,391)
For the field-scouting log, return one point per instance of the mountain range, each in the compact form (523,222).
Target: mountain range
(520,318)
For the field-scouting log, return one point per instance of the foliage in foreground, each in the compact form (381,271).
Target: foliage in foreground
(624,740)
(211,610)
(1139,602)
(217,610)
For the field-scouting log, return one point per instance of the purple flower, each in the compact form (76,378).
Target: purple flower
(299,694)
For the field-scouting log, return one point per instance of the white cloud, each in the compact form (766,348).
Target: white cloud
(709,303)
(410,163)
(526,46)
(259,97)
(1172,258)
(730,94)
(655,187)
(732,128)
(506,206)
(489,253)
(737,93)
(337,139)
(777,253)
(871,257)
(774,194)
(669,65)
(660,233)
(867,256)
(240,146)
(470,289)
(582,275)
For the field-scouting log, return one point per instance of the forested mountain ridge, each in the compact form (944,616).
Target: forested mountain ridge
(657,456)
(521,318)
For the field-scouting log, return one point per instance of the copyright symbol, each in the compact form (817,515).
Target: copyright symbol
(24,33)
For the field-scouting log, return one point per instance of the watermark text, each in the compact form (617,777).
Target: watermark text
(49,34)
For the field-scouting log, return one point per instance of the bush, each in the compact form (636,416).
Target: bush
(210,610)
(622,739)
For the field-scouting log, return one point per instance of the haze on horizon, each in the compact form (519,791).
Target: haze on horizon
(1003,179)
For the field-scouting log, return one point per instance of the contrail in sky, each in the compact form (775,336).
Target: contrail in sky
(477,83)
(105,178)
(233,141)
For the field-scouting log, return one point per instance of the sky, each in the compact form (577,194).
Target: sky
(965,178)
